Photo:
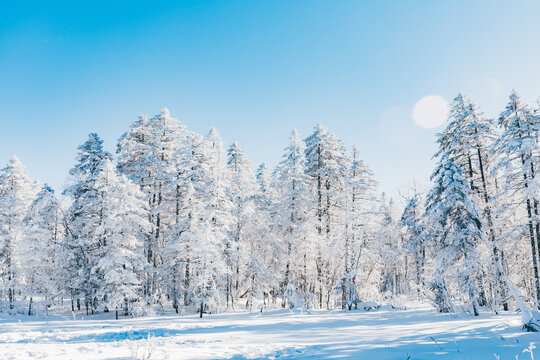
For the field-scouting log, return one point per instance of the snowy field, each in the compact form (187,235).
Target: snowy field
(385,334)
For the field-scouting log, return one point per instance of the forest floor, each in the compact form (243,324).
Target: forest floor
(419,333)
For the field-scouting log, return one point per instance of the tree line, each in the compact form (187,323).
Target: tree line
(174,220)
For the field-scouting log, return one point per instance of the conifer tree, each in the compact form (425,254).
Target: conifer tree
(16,194)
(293,223)
(360,200)
(121,234)
(242,189)
(84,216)
(457,232)
(518,153)
(41,249)
(326,165)
(467,140)
(415,238)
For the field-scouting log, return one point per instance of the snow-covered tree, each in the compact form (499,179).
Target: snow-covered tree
(457,232)
(40,250)
(360,202)
(415,238)
(147,156)
(121,233)
(326,165)
(388,245)
(84,216)
(517,153)
(16,194)
(467,140)
(293,223)
(242,190)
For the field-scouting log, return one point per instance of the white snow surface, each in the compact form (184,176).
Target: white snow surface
(419,333)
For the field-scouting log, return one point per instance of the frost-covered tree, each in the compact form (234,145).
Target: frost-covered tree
(192,170)
(242,190)
(263,262)
(220,207)
(517,153)
(457,232)
(16,194)
(41,249)
(133,152)
(388,245)
(293,221)
(147,155)
(121,234)
(467,140)
(206,252)
(326,165)
(360,202)
(415,238)
(84,216)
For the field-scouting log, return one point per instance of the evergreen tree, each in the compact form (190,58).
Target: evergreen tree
(326,165)
(148,156)
(467,139)
(415,238)
(359,211)
(16,194)
(242,189)
(517,152)
(292,220)
(121,233)
(457,233)
(40,250)
(84,216)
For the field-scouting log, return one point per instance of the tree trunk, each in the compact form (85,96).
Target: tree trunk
(499,285)
(186,285)
(534,253)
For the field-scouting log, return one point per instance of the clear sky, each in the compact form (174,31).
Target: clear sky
(255,70)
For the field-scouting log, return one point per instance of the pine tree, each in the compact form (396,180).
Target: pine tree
(242,189)
(220,208)
(388,247)
(292,220)
(359,211)
(457,233)
(326,165)
(415,238)
(121,234)
(16,194)
(176,272)
(133,152)
(41,249)
(467,140)
(518,153)
(84,216)
(260,274)
(147,156)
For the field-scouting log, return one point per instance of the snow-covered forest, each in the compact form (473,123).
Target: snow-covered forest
(177,220)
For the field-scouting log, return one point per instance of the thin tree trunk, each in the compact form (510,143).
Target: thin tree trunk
(534,253)
(499,271)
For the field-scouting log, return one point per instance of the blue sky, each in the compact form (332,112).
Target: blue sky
(255,70)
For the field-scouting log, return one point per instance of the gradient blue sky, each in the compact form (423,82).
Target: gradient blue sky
(255,70)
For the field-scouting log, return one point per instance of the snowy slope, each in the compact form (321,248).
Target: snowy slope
(385,334)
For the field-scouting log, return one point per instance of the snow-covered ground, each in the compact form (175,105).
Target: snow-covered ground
(385,334)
